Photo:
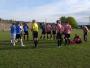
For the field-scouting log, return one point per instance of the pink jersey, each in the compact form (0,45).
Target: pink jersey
(67,29)
(48,28)
(60,28)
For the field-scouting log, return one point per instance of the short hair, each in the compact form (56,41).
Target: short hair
(13,23)
(58,21)
(33,21)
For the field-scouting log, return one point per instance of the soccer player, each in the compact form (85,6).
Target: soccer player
(13,34)
(48,30)
(77,39)
(59,29)
(43,27)
(26,33)
(85,33)
(18,34)
(67,32)
(35,33)
(22,30)
(54,31)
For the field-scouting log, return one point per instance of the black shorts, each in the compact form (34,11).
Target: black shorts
(67,35)
(26,33)
(54,32)
(85,33)
(43,32)
(59,35)
(49,32)
(35,34)
(18,36)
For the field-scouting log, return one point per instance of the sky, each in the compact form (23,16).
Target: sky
(45,10)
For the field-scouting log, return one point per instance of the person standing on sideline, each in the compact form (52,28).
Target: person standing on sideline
(26,33)
(43,27)
(18,34)
(59,31)
(35,29)
(67,32)
(13,34)
(85,33)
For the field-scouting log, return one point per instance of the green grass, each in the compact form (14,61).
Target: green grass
(47,55)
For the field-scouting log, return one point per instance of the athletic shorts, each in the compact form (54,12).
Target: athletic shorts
(85,33)
(54,32)
(35,34)
(59,35)
(43,32)
(67,35)
(13,36)
(49,32)
(26,33)
(18,36)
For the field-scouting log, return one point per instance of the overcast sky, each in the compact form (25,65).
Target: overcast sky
(41,10)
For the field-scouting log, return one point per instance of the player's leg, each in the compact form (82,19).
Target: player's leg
(44,36)
(58,39)
(17,37)
(24,35)
(35,34)
(41,35)
(65,39)
(68,39)
(61,39)
(44,33)
(21,41)
(85,36)
(27,35)
(13,39)
(50,34)
(47,35)
(54,35)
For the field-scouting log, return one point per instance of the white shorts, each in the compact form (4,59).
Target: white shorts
(13,36)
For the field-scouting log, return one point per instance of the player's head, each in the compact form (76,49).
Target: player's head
(25,24)
(33,21)
(58,22)
(13,23)
(17,23)
(20,24)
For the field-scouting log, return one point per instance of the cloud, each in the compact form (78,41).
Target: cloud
(50,10)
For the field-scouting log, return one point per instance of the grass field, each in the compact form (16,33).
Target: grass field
(47,55)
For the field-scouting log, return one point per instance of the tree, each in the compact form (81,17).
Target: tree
(72,22)
(63,19)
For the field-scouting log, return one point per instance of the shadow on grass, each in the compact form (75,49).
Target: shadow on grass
(5,45)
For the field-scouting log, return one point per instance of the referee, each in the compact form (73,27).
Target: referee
(35,32)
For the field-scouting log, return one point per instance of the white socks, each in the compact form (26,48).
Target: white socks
(13,42)
(21,42)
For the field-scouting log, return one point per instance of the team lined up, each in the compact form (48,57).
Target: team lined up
(60,32)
